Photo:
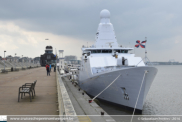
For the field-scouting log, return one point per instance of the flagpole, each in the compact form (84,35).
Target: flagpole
(145,50)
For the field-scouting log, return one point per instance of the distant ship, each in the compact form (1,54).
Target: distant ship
(107,63)
(48,57)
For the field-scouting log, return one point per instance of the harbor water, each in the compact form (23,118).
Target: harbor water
(164,97)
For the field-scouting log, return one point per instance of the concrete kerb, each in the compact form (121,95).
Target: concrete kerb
(60,100)
(8,69)
(65,105)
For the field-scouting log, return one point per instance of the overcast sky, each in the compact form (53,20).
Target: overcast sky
(68,24)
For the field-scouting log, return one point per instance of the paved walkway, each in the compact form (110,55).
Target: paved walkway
(44,102)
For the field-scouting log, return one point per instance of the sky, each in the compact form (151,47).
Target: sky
(68,24)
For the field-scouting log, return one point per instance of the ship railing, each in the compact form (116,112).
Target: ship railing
(145,62)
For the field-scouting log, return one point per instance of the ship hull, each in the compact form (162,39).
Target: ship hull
(125,90)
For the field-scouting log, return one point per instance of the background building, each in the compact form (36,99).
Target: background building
(48,57)
(70,57)
(77,62)
(36,60)
(9,58)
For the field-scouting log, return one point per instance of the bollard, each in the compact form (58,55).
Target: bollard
(89,101)
(102,113)
(12,69)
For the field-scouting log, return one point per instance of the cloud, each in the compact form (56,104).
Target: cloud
(14,39)
(28,23)
(14,35)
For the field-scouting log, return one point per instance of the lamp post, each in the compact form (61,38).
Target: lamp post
(4,60)
(22,61)
(15,61)
(27,61)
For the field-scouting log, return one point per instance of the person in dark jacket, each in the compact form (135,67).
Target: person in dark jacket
(47,68)
(50,67)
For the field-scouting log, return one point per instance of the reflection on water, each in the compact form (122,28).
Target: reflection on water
(114,109)
(164,97)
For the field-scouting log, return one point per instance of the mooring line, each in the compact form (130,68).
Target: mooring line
(138,96)
(106,87)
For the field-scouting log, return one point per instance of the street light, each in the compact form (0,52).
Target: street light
(4,60)
(27,62)
(15,61)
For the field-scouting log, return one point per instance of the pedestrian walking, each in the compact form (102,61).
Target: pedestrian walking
(55,68)
(47,68)
(50,67)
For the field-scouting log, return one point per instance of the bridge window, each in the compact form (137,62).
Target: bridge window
(93,51)
(96,51)
(124,51)
(106,51)
(99,51)
(118,51)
